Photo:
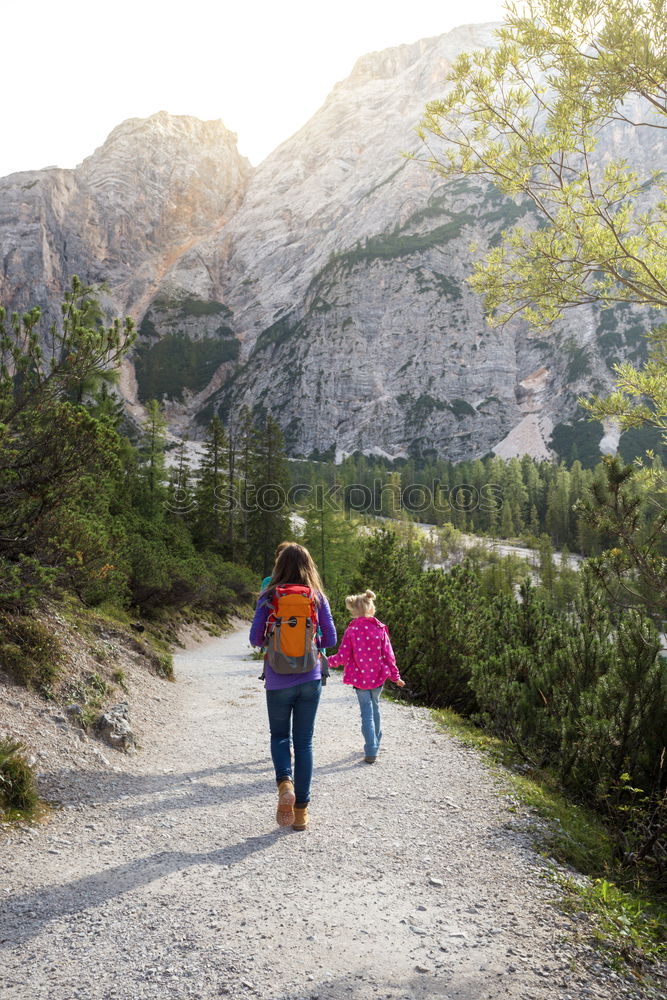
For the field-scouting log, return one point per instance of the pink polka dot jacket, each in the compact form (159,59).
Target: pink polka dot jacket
(366,654)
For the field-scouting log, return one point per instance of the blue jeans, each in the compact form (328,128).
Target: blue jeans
(371,728)
(294,708)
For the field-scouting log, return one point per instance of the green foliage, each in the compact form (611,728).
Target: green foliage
(277,333)
(85,510)
(434,618)
(578,441)
(119,677)
(638,441)
(461,408)
(266,480)
(29,652)
(577,692)
(579,364)
(630,930)
(504,498)
(91,695)
(176,363)
(187,306)
(526,115)
(628,506)
(201,307)
(23,580)
(54,453)
(640,397)
(210,524)
(332,537)
(80,349)
(447,616)
(18,793)
(165,666)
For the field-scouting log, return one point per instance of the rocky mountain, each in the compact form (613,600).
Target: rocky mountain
(121,218)
(327,286)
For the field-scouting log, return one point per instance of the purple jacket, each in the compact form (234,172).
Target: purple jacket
(328,637)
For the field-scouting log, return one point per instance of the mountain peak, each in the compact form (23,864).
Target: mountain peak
(391,62)
(388,63)
(163,131)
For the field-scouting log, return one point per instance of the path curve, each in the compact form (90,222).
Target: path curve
(169,878)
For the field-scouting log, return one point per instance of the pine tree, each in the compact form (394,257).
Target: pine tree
(152,451)
(534,523)
(57,461)
(268,515)
(547,566)
(212,494)
(506,520)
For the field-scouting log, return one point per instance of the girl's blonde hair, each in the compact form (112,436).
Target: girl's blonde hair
(361,604)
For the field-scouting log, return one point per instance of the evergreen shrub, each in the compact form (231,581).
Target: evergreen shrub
(18,793)
(29,652)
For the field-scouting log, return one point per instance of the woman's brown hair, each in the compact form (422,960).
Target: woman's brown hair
(295,565)
(283,545)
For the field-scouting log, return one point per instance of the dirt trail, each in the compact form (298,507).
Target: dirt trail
(170,879)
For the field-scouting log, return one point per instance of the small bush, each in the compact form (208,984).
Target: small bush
(98,687)
(29,653)
(164,666)
(18,794)
(91,695)
(119,677)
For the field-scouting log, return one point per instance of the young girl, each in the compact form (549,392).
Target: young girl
(368,660)
(292,700)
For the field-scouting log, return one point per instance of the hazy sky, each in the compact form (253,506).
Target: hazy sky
(73,70)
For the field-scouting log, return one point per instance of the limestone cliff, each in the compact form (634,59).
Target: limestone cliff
(122,217)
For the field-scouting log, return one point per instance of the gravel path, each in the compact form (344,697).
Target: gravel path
(167,877)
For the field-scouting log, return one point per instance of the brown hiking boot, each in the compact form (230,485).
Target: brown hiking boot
(286,799)
(300,818)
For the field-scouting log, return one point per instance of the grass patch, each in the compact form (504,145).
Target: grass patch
(30,653)
(119,677)
(632,932)
(91,696)
(213,630)
(629,925)
(164,666)
(18,792)
(154,643)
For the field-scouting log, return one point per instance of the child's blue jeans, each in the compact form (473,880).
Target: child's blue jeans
(294,708)
(369,706)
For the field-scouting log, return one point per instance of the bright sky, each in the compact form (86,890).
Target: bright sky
(74,69)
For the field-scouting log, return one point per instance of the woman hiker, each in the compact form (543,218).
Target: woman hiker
(294,682)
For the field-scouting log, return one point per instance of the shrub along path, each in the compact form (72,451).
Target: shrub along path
(170,879)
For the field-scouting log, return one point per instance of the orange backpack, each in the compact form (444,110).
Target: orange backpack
(291,631)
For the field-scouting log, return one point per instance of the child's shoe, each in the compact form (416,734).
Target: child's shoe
(370,760)
(286,800)
(300,818)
